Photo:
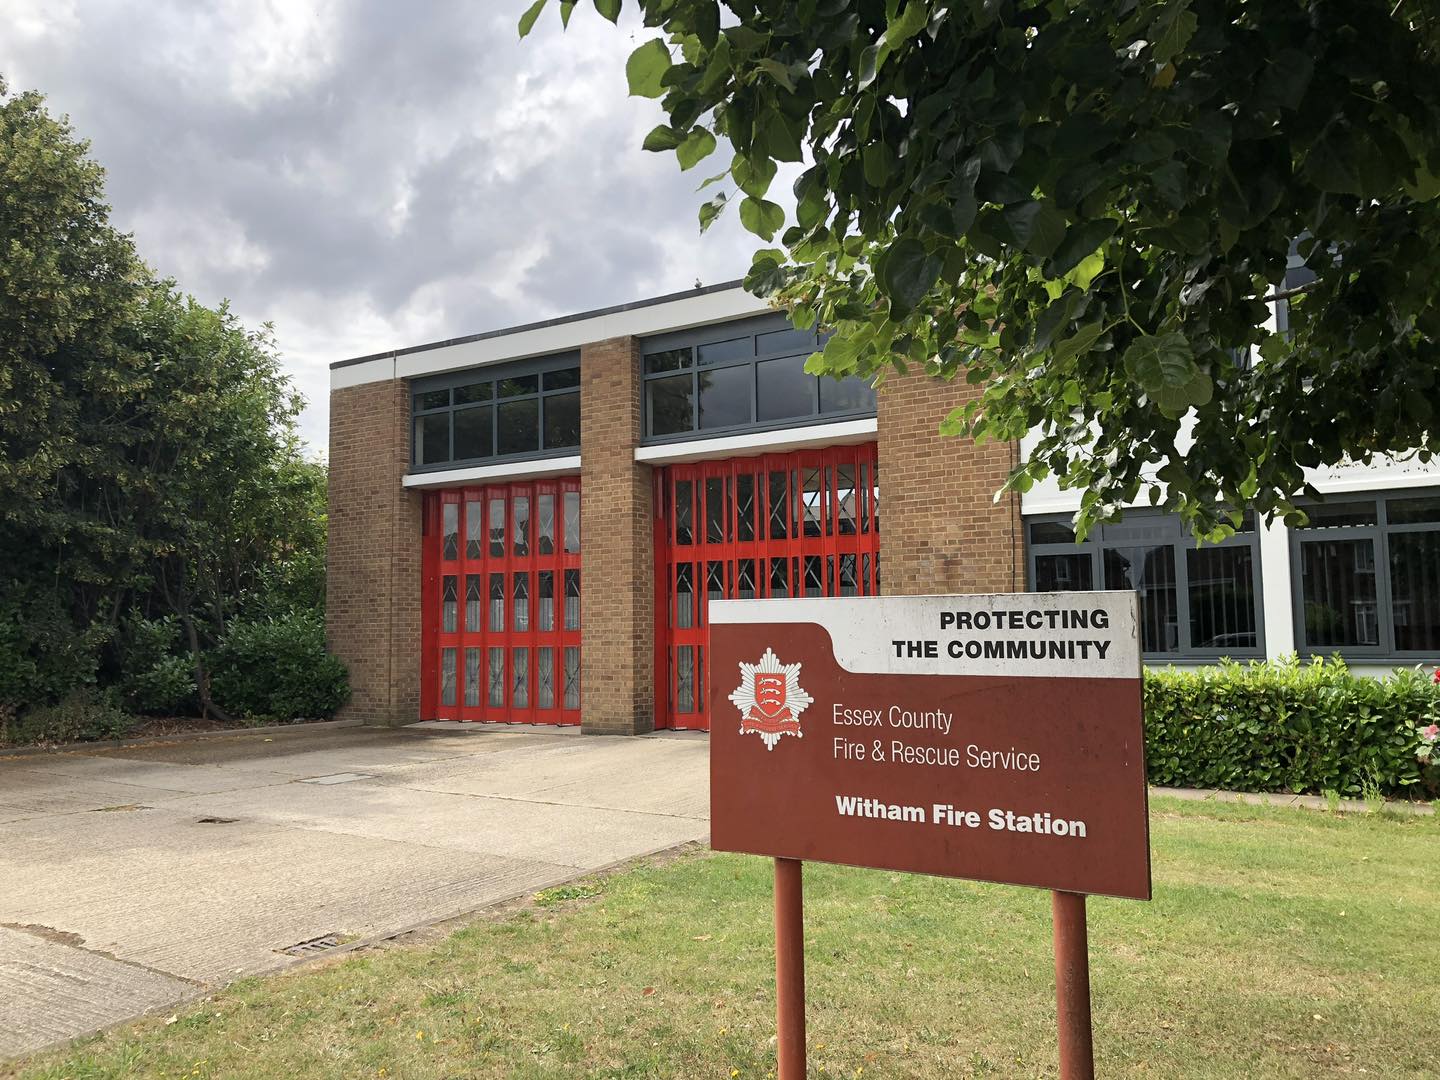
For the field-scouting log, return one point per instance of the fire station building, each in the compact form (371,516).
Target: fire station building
(528,525)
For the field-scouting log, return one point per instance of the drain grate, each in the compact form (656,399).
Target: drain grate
(314,945)
(216,821)
(338,778)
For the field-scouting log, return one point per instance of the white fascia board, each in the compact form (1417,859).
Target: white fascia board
(381,369)
(681,314)
(484,474)
(845,432)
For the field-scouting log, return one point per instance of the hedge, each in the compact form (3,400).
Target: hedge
(1287,726)
(277,670)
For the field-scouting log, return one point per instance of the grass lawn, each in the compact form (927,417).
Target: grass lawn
(1280,943)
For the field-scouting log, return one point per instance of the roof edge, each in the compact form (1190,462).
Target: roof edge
(561,320)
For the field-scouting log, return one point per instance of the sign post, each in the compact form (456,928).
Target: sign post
(1072,986)
(789,969)
(995,737)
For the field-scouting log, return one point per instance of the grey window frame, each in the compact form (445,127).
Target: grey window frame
(1380,533)
(493,374)
(1181,542)
(693,339)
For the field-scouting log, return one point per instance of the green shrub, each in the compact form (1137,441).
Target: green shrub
(278,670)
(83,716)
(167,688)
(155,676)
(43,656)
(1287,726)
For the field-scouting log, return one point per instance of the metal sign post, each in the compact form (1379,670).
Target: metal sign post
(789,969)
(1072,986)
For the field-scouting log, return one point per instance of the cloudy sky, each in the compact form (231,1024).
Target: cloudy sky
(366,174)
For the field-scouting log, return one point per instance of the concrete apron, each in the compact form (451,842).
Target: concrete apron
(134,878)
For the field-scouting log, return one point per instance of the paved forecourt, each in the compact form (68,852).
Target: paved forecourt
(132,879)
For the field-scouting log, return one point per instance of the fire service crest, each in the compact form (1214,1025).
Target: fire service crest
(770,699)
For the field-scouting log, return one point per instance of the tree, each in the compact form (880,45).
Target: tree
(149,459)
(1087,206)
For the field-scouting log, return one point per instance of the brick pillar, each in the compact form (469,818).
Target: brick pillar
(617,661)
(941,530)
(372,569)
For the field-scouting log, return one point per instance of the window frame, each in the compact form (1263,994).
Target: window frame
(1379,533)
(693,340)
(1096,543)
(493,374)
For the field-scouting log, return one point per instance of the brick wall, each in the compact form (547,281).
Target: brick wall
(941,530)
(617,676)
(372,579)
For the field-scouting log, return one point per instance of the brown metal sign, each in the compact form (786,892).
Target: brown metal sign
(993,737)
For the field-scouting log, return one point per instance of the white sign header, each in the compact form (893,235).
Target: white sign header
(1077,635)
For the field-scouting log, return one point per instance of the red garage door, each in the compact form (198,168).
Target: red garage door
(500,635)
(783,525)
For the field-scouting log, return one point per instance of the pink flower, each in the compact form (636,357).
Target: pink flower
(1431,733)
(1437,674)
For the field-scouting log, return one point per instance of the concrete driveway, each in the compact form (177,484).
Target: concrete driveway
(134,878)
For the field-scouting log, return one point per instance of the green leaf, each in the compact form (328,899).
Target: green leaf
(566,7)
(1286,77)
(910,22)
(698,145)
(1081,240)
(767,272)
(777,71)
(610,9)
(1037,226)
(906,272)
(1164,365)
(779,137)
(646,67)
(869,65)
(662,137)
(1077,343)
(710,180)
(753,175)
(527,21)
(1331,166)
(1051,319)
(1087,270)
(1171,31)
(1425,187)
(761,217)
(710,210)
(879,163)
(745,38)
(810,204)
(1169,182)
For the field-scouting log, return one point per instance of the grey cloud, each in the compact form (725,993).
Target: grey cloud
(280,183)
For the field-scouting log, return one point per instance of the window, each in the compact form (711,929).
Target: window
(1196,601)
(741,376)
(529,409)
(1367,576)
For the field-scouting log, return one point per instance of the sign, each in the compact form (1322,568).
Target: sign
(994,737)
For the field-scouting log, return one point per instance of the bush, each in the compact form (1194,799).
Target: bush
(154,677)
(1288,726)
(167,688)
(83,716)
(278,670)
(43,656)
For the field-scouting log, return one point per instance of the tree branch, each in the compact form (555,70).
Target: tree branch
(1285,294)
